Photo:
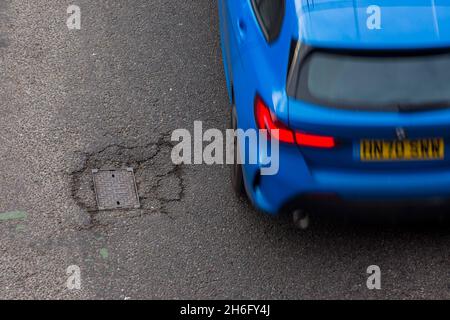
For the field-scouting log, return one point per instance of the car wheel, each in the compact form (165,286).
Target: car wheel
(237,179)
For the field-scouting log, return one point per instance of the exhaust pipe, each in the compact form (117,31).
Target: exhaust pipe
(301,219)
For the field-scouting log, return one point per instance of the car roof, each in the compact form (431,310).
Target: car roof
(344,23)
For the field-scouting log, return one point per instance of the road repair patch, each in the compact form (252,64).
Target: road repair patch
(159,182)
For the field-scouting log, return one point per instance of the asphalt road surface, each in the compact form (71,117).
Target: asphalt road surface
(109,96)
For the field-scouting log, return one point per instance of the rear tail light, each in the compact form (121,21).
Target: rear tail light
(311,140)
(265,120)
(279,131)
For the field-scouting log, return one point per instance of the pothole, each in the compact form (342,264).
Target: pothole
(158,181)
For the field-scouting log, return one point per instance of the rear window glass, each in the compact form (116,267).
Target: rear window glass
(375,82)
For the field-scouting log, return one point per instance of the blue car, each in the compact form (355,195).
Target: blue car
(358,90)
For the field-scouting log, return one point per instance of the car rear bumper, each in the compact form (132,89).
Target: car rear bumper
(296,181)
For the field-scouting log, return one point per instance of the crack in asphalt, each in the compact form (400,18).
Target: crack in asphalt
(159,181)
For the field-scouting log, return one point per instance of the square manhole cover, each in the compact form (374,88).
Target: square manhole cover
(115,189)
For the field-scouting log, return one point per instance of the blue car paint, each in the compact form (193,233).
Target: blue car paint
(253,67)
(342,23)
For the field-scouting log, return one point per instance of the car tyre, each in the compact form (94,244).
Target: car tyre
(237,178)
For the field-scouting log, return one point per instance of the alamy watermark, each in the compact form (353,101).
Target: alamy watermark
(74,20)
(74,279)
(374,280)
(374,20)
(255,147)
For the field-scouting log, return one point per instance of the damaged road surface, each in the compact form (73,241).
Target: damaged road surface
(158,181)
(108,97)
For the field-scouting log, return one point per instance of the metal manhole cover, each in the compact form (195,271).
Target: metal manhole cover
(115,189)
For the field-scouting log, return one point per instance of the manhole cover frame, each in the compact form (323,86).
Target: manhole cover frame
(117,207)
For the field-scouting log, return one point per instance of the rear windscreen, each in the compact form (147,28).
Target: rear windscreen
(375,82)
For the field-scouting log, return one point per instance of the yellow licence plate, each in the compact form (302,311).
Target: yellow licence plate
(402,150)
